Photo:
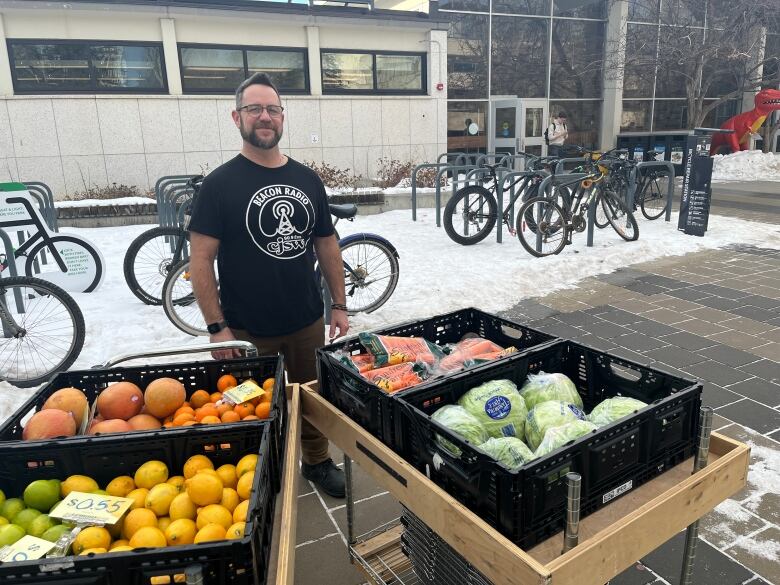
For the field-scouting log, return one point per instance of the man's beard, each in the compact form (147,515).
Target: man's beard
(254,140)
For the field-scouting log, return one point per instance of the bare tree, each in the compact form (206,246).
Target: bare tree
(706,66)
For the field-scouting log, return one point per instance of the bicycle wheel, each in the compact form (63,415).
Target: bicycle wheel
(178,300)
(601,213)
(79,257)
(50,331)
(550,233)
(470,215)
(653,196)
(148,261)
(371,273)
(620,218)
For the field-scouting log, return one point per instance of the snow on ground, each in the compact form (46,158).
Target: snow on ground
(748,165)
(437,276)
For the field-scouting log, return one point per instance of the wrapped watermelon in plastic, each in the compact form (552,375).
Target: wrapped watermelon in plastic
(543,387)
(498,406)
(612,409)
(461,422)
(556,437)
(510,451)
(553,413)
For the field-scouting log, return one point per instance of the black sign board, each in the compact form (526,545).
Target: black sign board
(696,189)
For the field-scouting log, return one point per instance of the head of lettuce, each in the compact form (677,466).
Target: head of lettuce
(498,406)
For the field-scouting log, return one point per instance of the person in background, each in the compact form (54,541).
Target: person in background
(557,134)
(263,216)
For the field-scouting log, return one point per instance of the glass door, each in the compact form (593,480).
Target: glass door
(505,126)
(534,120)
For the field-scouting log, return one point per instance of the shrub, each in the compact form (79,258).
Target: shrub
(334,177)
(390,172)
(112,191)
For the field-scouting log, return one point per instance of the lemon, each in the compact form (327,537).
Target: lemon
(205,470)
(181,531)
(164,522)
(93,537)
(182,507)
(177,481)
(228,475)
(122,548)
(214,514)
(148,537)
(229,499)
(159,498)
(88,551)
(236,531)
(210,532)
(78,483)
(137,519)
(205,489)
(139,497)
(245,464)
(120,486)
(195,464)
(150,474)
(244,487)
(120,542)
(3,520)
(240,513)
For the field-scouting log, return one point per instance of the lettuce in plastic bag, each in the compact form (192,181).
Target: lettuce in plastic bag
(612,409)
(510,451)
(543,387)
(558,436)
(459,421)
(545,415)
(498,406)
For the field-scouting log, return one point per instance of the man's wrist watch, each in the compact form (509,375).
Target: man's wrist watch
(216,327)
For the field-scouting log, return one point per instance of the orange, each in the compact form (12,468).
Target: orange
(263,410)
(244,409)
(215,397)
(199,398)
(223,408)
(268,384)
(183,418)
(184,409)
(210,420)
(226,381)
(268,396)
(190,423)
(208,410)
(251,417)
(194,464)
(230,416)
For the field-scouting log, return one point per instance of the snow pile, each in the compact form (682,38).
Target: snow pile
(106,202)
(748,165)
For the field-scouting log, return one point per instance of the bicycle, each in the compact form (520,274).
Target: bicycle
(554,223)
(652,188)
(477,205)
(371,271)
(67,252)
(43,329)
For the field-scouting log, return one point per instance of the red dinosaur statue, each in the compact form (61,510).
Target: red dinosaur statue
(746,123)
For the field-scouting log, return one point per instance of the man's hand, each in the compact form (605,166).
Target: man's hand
(224,354)
(338,321)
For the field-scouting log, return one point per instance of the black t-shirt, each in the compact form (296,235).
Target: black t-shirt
(266,220)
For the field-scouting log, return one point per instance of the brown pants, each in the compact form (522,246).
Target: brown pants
(299,359)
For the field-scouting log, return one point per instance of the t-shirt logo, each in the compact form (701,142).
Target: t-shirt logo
(279,220)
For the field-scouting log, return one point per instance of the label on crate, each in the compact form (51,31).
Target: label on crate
(621,489)
(83,508)
(244,391)
(25,549)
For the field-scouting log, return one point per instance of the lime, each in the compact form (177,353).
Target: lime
(2,498)
(42,494)
(54,533)
(10,533)
(99,492)
(11,507)
(25,518)
(3,521)
(41,524)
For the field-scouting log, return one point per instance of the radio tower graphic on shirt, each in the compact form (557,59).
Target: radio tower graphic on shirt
(282,210)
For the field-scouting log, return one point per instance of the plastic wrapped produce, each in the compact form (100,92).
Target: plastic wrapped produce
(510,451)
(612,409)
(543,387)
(556,437)
(498,406)
(459,421)
(553,413)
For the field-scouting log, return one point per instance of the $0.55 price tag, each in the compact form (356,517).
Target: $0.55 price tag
(243,392)
(25,549)
(83,508)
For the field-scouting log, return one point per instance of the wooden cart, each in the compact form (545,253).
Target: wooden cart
(611,539)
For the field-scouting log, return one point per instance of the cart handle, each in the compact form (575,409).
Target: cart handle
(249,350)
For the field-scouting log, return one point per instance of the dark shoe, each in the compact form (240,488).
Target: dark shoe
(326,476)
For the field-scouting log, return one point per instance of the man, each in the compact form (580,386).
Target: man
(264,216)
(557,134)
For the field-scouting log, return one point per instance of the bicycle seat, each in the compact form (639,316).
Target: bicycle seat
(492,167)
(344,210)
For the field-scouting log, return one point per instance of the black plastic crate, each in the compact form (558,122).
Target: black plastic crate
(193,375)
(528,505)
(230,562)
(369,406)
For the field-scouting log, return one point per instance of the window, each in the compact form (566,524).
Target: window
(641,47)
(670,115)
(215,69)
(577,57)
(636,116)
(520,56)
(471,5)
(643,10)
(86,67)
(581,8)
(536,7)
(373,72)
(467,56)
(583,120)
(467,126)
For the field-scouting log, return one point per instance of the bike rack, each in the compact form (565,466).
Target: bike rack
(560,167)
(459,156)
(500,195)
(45,197)
(455,169)
(436,165)
(591,207)
(9,256)
(167,216)
(669,166)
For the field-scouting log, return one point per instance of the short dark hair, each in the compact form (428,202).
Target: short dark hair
(561,114)
(256,79)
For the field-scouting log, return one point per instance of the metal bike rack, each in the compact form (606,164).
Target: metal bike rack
(9,257)
(460,157)
(166,215)
(436,165)
(455,169)
(45,197)
(560,167)
(500,195)
(670,188)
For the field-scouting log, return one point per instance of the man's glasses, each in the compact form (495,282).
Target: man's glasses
(256,110)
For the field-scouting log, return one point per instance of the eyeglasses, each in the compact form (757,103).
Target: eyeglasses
(256,110)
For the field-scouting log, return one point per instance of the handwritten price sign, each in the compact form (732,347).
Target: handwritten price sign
(26,548)
(243,392)
(83,508)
